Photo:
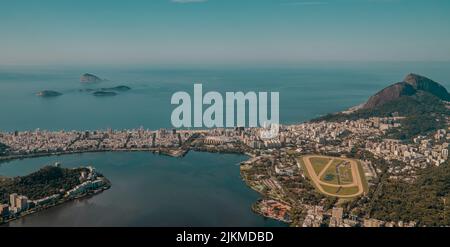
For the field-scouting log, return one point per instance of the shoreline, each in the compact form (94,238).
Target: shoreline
(59,203)
(171,153)
(178,154)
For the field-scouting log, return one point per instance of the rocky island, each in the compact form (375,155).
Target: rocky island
(48,94)
(104,93)
(121,88)
(107,91)
(90,78)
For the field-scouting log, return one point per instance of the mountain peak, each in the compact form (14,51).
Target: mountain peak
(412,84)
(390,93)
(414,79)
(425,84)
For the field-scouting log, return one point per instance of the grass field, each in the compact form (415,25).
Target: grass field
(339,177)
(336,162)
(340,191)
(345,175)
(319,164)
(330,172)
(363,178)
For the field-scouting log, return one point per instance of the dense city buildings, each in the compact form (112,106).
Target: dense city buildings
(273,170)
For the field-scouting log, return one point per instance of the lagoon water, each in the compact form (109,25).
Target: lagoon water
(201,189)
(149,190)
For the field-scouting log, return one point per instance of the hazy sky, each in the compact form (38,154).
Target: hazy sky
(222,31)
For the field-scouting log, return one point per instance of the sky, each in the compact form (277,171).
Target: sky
(222,31)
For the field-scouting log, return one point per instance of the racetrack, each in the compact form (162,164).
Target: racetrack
(357,179)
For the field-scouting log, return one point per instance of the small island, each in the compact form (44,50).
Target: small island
(120,88)
(46,188)
(48,94)
(104,93)
(90,78)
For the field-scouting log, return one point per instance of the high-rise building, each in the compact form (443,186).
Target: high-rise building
(445,153)
(21,203)
(12,200)
(4,210)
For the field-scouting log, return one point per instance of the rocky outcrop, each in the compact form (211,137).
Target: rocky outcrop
(48,93)
(411,85)
(104,93)
(390,93)
(90,78)
(120,88)
(424,84)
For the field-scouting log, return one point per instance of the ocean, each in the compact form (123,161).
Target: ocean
(306,92)
(151,190)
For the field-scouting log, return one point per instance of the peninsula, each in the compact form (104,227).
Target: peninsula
(46,188)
